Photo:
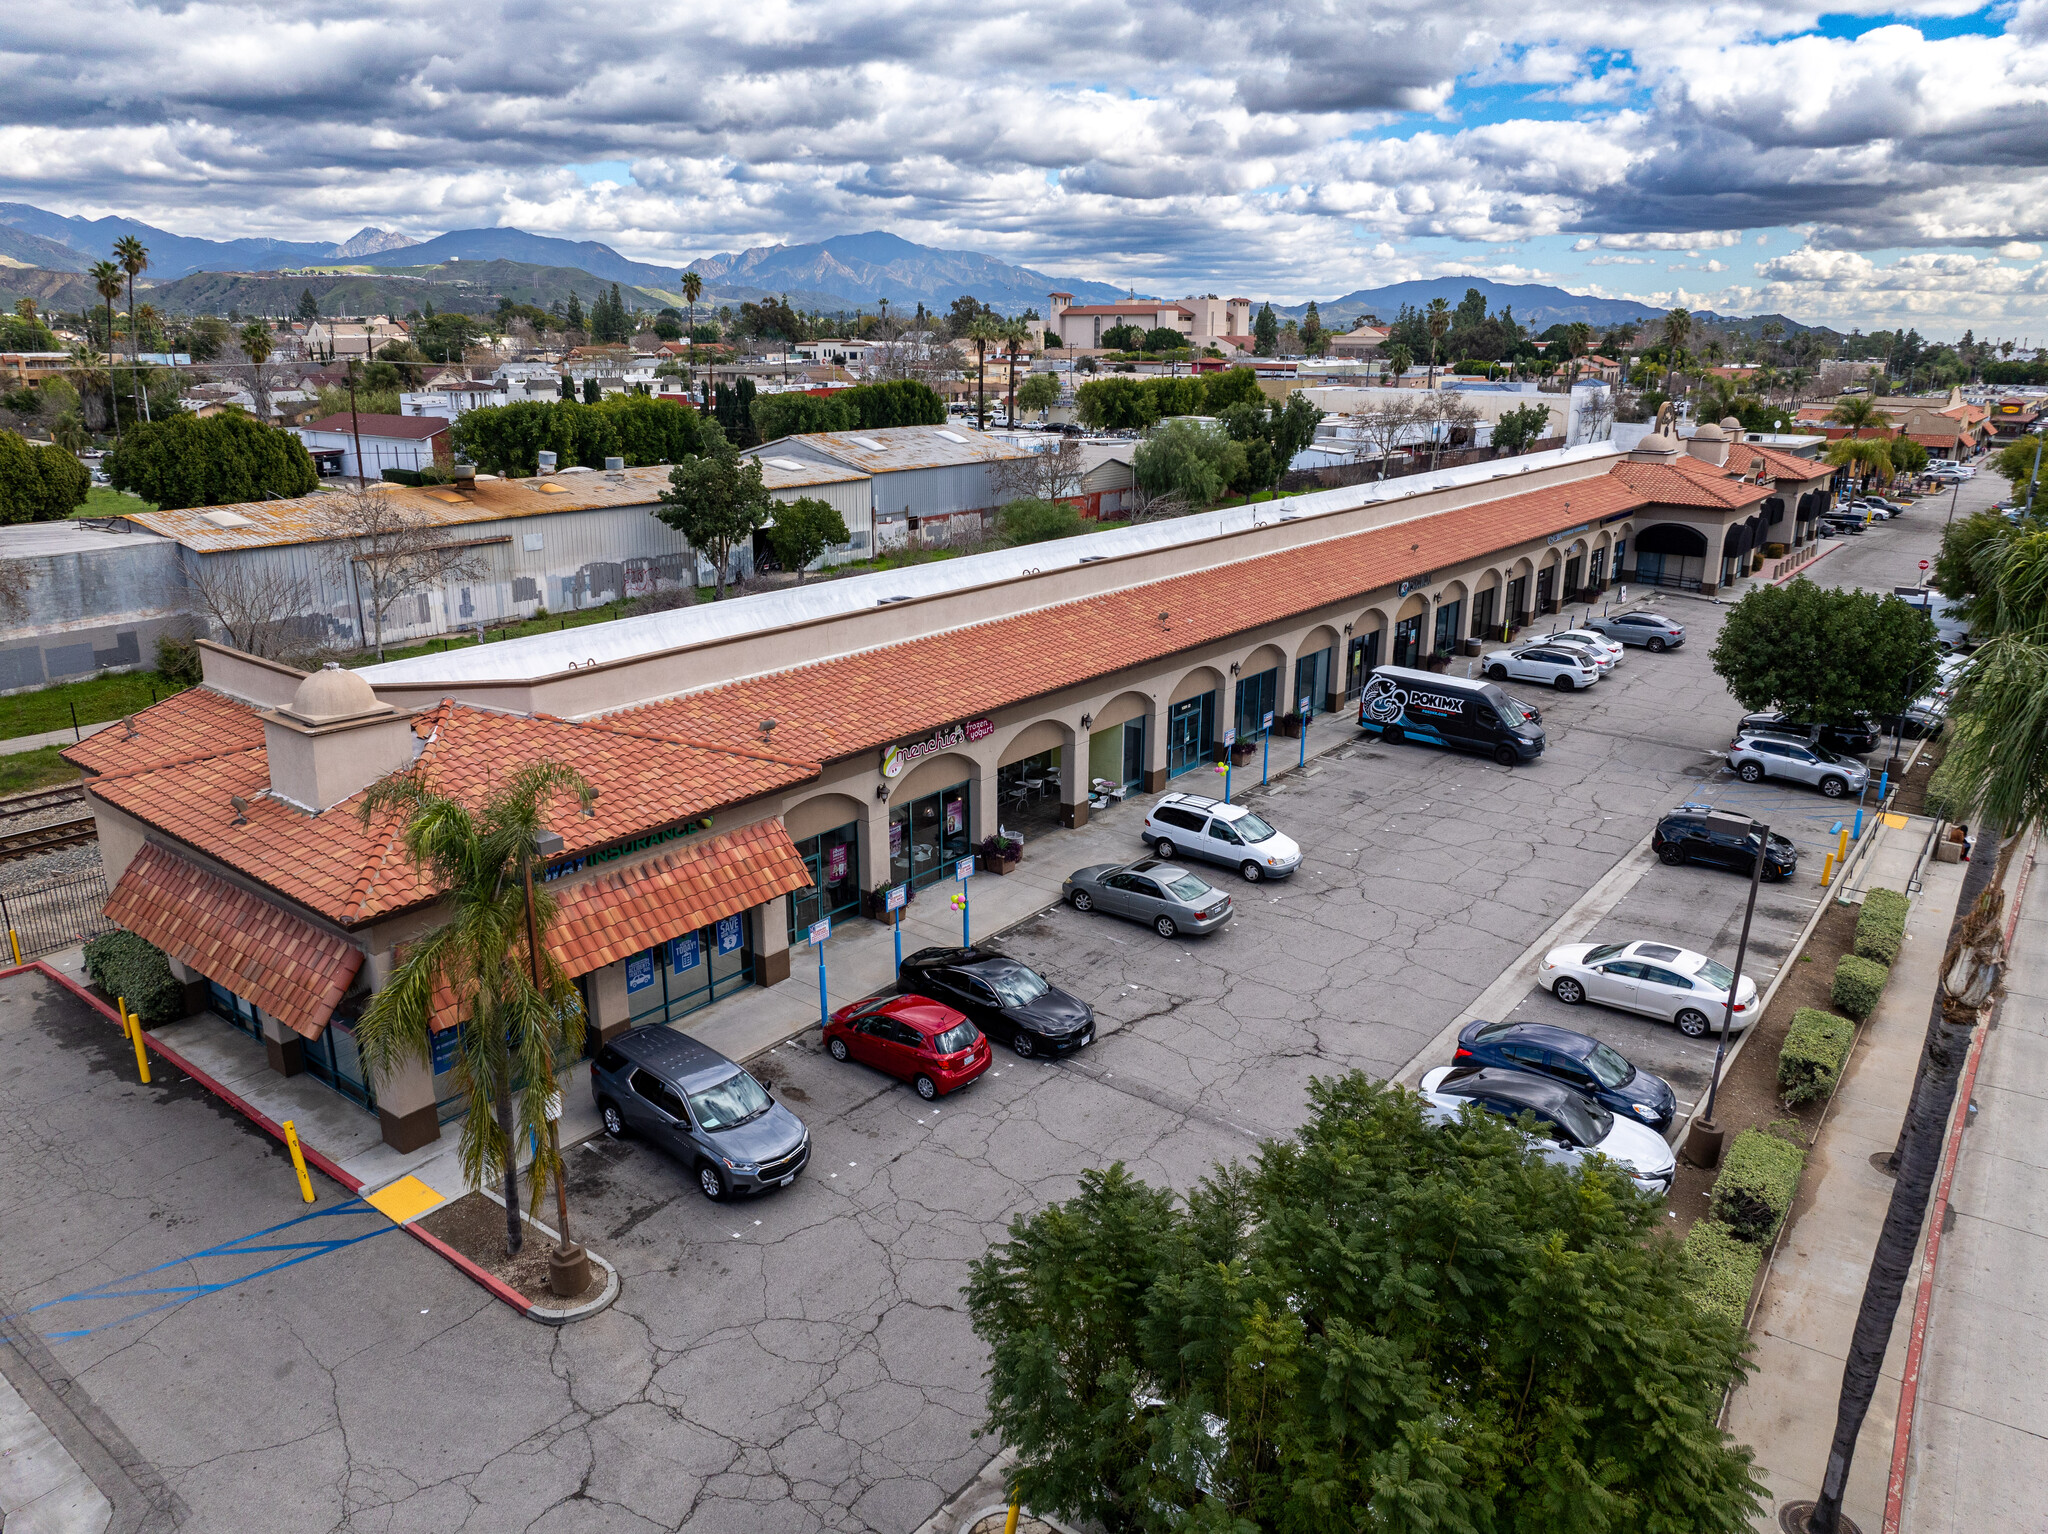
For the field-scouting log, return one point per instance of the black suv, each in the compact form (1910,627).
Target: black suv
(1856,736)
(1725,841)
(701,1108)
(1008,1001)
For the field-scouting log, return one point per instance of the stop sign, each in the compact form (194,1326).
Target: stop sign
(1924,565)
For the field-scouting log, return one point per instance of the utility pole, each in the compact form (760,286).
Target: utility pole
(1703,1141)
(356,427)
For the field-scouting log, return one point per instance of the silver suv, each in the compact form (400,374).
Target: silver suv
(1186,825)
(1759,754)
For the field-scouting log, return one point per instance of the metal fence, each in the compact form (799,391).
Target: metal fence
(60,914)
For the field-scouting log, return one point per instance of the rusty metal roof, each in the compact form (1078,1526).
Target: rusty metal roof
(793,474)
(892,449)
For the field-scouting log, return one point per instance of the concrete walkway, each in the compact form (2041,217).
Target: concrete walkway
(1803,1322)
(63,737)
(43,1490)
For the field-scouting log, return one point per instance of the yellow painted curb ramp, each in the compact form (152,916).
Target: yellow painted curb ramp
(405,1200)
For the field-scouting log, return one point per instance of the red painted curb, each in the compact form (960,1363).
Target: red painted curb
(1909,1384)
(327,1168)
(1823,554)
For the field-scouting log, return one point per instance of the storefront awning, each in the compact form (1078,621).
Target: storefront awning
(281,962)
(602,920)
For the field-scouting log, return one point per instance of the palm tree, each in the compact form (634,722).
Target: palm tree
(517,1001)
(106,281)
(1014,333)
(1438,319)
(1677,332)
(255,339)
(982,330)
(693,286)
(1856,411)
(1872,456)
(1578,340)
(133,257)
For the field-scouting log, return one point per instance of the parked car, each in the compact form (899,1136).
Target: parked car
(701,1108)
(1597,642)
(1674,985)
(1554,665)
(1856,735)
(1595,651)
(1010,1002)
(1925,716)
(1836,526)
(1583,1063)
(1896,508)
(1189,825)
(1165,896)
(1756,755)
(1722,841)
(1653,631)
(1399,703)
(1568,1119)
(926,1043)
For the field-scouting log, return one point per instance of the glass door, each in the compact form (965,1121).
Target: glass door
(1408,641)
(1545,585)
(1134,752)
(1482,612)
(1187,734)
(1363,655)
(831,857)
(1518,600)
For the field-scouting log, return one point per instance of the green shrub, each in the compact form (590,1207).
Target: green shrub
(124,965)
(1723,1269)
(177,661)
(1810,1063)
(1882,926)
(1858,984)
(1947,796)
(1759,1175)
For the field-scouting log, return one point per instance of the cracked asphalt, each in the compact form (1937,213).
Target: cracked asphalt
(803,1361)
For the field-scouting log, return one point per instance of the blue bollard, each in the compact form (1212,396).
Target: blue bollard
(1857,835)
(1266,766)
(824,1007)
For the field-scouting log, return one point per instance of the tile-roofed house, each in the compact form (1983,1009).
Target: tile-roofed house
(198,722)
(1685,481)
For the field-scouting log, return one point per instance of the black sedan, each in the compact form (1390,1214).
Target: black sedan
(1602,1073)
(1008,1001)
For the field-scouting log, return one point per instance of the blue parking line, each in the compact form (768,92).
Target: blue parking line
(241,1246)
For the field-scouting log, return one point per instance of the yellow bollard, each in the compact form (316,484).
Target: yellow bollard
(1842,847)
(1827,871)
(291,1140)
(132,1025)
(1010,1523)
(14,941)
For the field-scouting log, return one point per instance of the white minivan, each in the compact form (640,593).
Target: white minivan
(1188,826)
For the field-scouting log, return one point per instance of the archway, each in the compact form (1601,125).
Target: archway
(826,830)
(1194,726)
(1365,649)
(1671,554)
(1317,676)
(1409,639)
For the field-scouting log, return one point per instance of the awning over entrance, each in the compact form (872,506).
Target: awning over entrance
(602,920)
(281,962)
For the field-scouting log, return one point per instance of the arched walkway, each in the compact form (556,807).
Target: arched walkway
(1671,554)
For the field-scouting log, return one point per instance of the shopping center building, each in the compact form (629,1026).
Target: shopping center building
(764,762)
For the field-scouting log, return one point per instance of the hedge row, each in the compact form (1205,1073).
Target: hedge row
(1858,984)
(124,965)
(1759,1175)
(1810,1063)
(1946,791)
(1723,1268)
(1882,926)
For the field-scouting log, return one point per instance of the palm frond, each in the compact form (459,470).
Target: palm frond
(1998,760)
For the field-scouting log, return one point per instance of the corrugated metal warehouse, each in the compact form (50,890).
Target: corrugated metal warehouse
(917,475)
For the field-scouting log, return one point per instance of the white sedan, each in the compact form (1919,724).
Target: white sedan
(1556,666)
(1658,980)
(1598,643)
(1570,1125)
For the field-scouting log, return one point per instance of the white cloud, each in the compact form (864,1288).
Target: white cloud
(1697,239)
(1618,260)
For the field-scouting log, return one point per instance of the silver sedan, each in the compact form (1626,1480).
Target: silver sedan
(1164,896)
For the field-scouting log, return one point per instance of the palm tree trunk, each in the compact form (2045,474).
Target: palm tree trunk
(515,1233)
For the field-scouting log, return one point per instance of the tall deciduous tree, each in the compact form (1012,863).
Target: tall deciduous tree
(1041,391)
(1519,427)
(803,529)
(716,500)
(1824,654)
(388,550)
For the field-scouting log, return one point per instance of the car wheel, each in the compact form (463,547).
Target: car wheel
(837,1050)
(1563,684)
(1750,772)
(926,1087)
(1164,848)
(1672,854)
(712,1182)
(1079,900)
(1834,788)
(1498,673)
(1251,871)
(1165,926)
(1025,1044)
(1569,991)
(614,1123)
(1505,755)
(1655,647)
(1692,1023)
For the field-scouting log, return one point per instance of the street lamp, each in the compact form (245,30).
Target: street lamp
(1703,1140)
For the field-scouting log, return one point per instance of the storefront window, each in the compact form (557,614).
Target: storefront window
(833,857)
(927,836)
(1596,573)
(1482,611)
(1518,600)
(1408,641)
(1364,654)
(678,977)
(332,1058)
(233,1010)
(1311,681)
(1447,634)
(1257,696)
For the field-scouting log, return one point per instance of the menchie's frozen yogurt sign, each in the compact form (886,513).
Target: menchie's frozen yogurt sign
(897,760)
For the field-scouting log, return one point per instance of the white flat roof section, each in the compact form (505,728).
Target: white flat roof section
(539,655)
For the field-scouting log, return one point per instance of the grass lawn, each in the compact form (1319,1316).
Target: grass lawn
(25,770)
(553,623)
(105,501)
(96,698)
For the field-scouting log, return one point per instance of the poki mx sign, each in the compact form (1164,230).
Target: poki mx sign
(899,759)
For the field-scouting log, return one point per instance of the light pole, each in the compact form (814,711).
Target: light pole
(1703,1141)
(568,1263)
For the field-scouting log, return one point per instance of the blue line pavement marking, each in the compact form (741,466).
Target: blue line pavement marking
(251,1245)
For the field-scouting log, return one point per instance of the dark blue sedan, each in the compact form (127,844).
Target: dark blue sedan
(1599,1071)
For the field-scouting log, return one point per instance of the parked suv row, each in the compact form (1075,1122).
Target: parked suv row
(1759,754)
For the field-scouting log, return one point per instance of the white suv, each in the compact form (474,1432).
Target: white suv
(1563,668)
(1188,826)
(1592,640)
(1756,755)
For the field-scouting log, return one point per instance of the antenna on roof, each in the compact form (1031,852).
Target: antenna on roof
(767,728)
(128,724)
(240,807)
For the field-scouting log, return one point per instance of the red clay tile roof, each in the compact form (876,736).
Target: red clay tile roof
(351,873)
(1687,481)
(184,727)
(1938,439)
(1777,464)
(260,951)
(603,919)
(852,703)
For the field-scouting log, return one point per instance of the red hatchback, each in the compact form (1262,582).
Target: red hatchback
(912,1038)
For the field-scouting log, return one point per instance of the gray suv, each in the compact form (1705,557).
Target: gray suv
(1758,754)
(1653,631)
(701,1108)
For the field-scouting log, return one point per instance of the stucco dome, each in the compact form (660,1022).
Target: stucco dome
(1731,425)
(1707,431)
(333,693)
(1656,445)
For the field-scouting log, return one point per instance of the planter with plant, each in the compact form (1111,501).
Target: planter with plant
(1001,854)
(1759,1176)
(1881,927)
(1858,985)
(1811,1058)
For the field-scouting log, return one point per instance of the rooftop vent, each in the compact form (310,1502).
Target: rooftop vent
(615,466)
(545,463)
(227,519)
(872,444)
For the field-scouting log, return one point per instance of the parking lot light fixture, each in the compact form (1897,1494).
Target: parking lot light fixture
(1703,1142)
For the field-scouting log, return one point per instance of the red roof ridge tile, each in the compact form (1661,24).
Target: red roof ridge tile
(602,723)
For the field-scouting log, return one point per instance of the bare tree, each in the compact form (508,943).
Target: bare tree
(1141,505)
(1390,422)
(1443,412)
(1053,473)
(258,604)
(390,550)
(1596,415)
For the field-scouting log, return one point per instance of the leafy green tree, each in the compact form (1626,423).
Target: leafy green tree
(793,412)
(1385,1323)
(1035,521)
(39,484)
(1265,331)
(308,307)
(1312,330)
(1908,456)
(643,430)
(1190,459)
(1185,395)
(802,530)
(1955,566)
(1164,338)
(1231,386)
(1824,654)
(207,337)
(1041,391)
(668,329)
(593,390)
(1123,338)
(897,402)
(572,313)
(2017,463)
(1116,404)
(716,500)
(1398,359)
(230,457)
(1519,427)
(491,956)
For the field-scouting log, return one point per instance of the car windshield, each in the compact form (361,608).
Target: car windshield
(1517,712)
(736,1100)
(953,1040)
(1187,887)
(1825,755)
(1719,976)
(1604,951)
(1251,828)
(1608,1067)
(1015,986)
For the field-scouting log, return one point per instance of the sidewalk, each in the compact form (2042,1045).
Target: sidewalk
(63,737)
(1803,1321)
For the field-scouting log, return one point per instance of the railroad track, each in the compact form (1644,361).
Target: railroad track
(40,800)
(65,833)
